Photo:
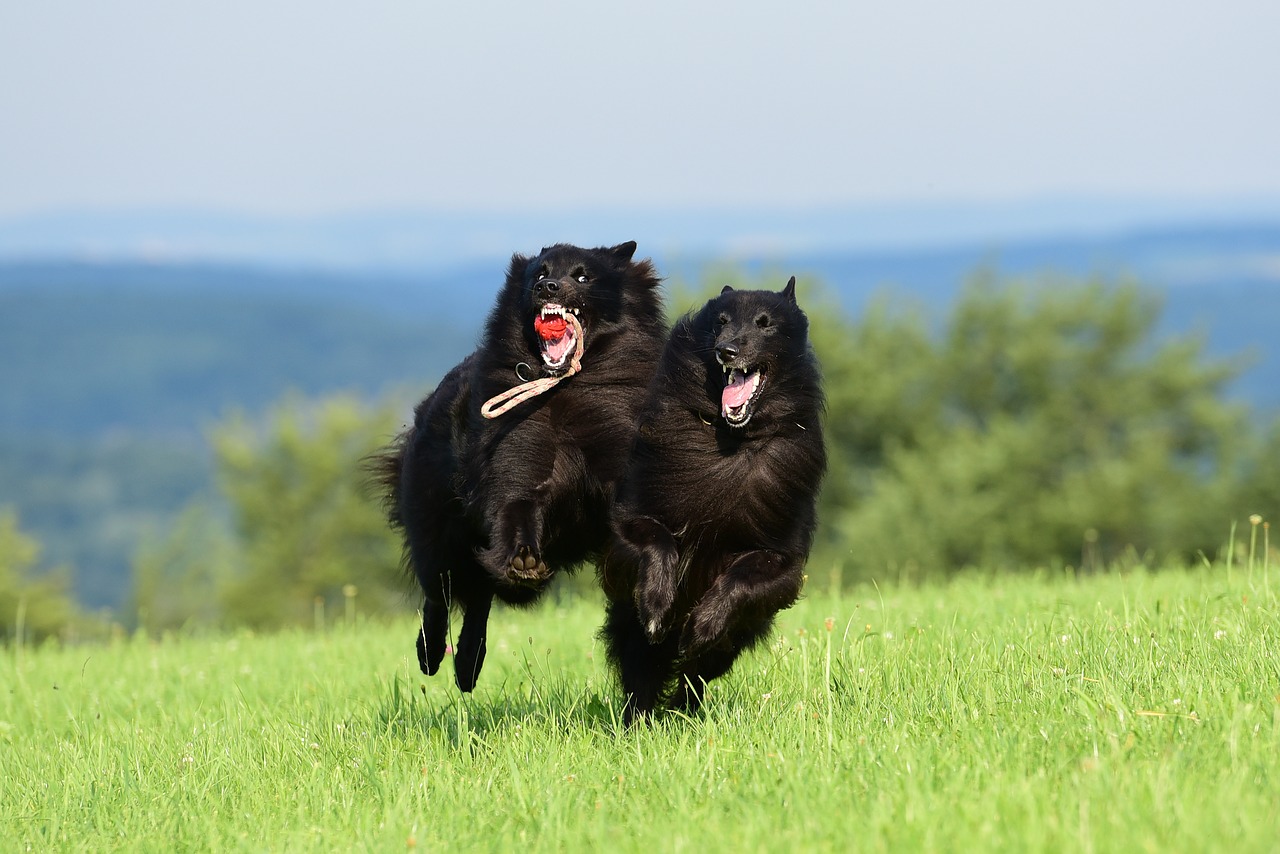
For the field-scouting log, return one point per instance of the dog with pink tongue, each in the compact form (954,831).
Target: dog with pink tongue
(716,510)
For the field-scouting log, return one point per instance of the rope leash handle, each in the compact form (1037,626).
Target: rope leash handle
(512,397)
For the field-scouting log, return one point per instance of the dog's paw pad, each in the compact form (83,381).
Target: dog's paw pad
(525,564)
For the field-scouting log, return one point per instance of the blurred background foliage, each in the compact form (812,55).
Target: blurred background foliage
(1039,426)
(304,534)
(1034,423)
(31,605)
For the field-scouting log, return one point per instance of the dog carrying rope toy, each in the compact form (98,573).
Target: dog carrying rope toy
(500,403)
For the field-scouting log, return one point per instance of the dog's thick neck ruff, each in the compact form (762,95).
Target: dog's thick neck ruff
(548,329)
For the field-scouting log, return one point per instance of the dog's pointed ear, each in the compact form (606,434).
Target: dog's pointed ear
(519,264)
(623,251)
(726,289)
(790,290)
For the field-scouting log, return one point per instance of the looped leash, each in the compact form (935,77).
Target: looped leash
(500,403)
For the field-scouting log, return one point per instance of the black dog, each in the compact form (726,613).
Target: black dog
(492,504)
(715,515)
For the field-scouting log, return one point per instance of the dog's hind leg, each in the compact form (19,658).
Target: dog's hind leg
(435,581)
(644,669)
(431,638)
(469,654)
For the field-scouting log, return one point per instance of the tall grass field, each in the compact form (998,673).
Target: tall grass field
(1126,712)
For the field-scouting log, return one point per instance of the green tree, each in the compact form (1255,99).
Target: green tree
(1047,425)
(306,528)
(1259,493)
(30,607)
(179,579)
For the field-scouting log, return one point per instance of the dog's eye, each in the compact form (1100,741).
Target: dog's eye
(763,321)
(722,319)
(584,278)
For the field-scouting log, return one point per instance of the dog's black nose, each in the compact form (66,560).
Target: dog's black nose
(726,352)
(548,285)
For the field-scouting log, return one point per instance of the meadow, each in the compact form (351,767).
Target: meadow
(1124,711)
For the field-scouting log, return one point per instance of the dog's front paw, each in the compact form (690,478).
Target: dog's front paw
(653,606)
(707,626)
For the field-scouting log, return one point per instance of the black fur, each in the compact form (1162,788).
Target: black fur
(495,507)
(713,522)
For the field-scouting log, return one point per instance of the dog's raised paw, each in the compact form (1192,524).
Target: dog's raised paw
(653,606)
(707,627)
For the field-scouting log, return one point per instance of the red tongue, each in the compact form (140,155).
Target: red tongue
(549,327)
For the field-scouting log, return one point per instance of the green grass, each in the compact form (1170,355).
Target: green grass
(1134,712)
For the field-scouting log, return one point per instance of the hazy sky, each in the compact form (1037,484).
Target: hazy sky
(292,107)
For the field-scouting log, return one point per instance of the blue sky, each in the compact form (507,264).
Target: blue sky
(315,108)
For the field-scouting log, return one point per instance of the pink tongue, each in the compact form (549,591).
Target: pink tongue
(557,349)
(737,392)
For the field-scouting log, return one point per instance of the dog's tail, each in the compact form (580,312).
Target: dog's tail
(382,470)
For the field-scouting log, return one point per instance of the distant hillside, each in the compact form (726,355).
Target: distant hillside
(112,372)
(85,361)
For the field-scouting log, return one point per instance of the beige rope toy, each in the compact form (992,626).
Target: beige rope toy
(500,403)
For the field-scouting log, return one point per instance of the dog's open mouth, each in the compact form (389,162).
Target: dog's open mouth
(741,389)
(556,335)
